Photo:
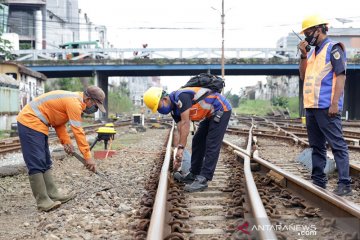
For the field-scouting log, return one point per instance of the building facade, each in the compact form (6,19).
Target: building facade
(46,24)
(20,85)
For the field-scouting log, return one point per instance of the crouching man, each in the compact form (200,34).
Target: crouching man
(55,109)
(214,112)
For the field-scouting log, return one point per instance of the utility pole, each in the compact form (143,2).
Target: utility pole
(222,41)
(222,38)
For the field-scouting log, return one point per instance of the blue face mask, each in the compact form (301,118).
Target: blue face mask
(91,110)
(164,109)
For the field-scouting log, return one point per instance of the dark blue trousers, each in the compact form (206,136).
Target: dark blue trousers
(35,149)
(206,145)
(322,128)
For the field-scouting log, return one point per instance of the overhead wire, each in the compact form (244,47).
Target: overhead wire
(85,26)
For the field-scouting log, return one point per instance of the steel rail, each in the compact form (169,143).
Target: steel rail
(157,221)
(354,169)
(258,210)
(337,206)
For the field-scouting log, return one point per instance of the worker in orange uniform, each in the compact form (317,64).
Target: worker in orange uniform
(54,109)
(194,104)
(323,70)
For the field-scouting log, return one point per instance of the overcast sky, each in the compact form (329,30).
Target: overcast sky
(194,23)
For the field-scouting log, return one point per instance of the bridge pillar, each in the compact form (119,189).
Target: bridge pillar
(101,81)
(351,96)
(301,102)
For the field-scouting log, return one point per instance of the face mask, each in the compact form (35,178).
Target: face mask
(311,39)
(91,110)
(164,109)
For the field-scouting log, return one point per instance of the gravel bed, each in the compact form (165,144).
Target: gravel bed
(16,158)
(281,152)
(99,211)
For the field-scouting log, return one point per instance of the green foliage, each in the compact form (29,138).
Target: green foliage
(280,101)
(5,134)
(294,107)
(233,98)
(253,107)
(263,107)
(68,84)
(71,84)
(24,46)
(5,49)
(119,100)
(119,103)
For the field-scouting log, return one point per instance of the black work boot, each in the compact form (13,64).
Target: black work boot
(187,178)
(322,185)
(343,190)
(199,184)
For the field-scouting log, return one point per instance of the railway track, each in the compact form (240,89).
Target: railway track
(252,195)
(237,205)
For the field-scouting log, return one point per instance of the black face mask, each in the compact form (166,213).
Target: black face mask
(311,39)
(91,110)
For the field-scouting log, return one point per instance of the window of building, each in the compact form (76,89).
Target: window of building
(22,22)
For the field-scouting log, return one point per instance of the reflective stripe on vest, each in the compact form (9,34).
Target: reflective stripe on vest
(75,123)
(36,103)
(201,109)
(320,79)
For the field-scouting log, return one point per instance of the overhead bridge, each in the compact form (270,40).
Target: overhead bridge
(102,63)
(86,70)
(165,61)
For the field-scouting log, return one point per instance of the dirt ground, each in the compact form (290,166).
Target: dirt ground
(99,210)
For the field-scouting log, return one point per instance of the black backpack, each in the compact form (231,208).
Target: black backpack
(205,80)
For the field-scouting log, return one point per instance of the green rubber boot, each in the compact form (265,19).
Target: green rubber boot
(52,190)
(44,203)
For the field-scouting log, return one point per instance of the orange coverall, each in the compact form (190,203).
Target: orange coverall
(55,109)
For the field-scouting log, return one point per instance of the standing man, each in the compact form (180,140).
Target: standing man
(323,71)
(54,109)
(214,112)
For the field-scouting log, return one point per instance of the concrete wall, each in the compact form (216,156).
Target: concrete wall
(9,99)
(62,20)
(6,120)
(277,86)
(137,86)
(9,68)
(28,90)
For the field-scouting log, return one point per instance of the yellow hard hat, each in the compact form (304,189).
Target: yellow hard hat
(152,98)
(311,21)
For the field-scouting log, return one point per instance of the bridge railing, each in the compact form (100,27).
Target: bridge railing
(169,53)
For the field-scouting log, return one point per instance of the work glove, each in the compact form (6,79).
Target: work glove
(90,165)
(69,148)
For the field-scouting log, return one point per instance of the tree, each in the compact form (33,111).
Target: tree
(5,45)
(5,49)
(233,98)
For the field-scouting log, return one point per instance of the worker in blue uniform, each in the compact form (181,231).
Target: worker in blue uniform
(323,70)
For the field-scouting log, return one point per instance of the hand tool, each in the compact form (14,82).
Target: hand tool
(307,47)
(100,174)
